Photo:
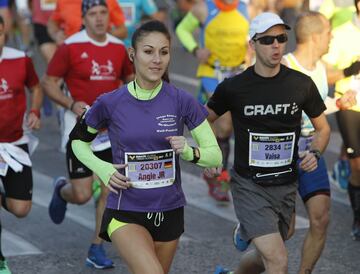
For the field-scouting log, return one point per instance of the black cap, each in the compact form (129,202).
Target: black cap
(88,4)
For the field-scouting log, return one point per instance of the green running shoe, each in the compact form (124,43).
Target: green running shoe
(4,269)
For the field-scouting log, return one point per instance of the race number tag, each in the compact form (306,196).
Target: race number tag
(304,144)
(271,150)
(150,169)
(3,167)
(101,142)
(129,11)
(47,5)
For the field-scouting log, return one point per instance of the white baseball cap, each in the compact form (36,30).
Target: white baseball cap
(264,21)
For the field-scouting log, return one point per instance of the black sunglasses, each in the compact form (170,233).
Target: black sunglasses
(269,40)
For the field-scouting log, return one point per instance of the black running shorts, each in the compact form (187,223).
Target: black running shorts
(162,228)
(41,34)
(19,185)
(77,169)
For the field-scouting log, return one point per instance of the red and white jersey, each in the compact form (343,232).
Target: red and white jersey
(90,68)
(16,72)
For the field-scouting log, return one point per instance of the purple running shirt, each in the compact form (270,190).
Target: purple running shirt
(142,126)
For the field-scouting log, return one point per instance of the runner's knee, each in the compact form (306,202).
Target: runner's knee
(81,189)
(319,222)
(20,210)
(81,197)
(278,259)
(273,252)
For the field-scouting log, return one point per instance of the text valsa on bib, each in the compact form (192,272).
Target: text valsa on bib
(150,169)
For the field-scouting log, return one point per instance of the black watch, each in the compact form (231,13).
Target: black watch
(194,51)
(316,153)
(196,155)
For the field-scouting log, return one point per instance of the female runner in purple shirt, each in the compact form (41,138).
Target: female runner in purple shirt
(144,216)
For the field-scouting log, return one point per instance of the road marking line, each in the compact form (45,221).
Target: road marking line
(184,79)
(14,245)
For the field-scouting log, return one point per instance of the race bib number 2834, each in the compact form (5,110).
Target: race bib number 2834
(271,150)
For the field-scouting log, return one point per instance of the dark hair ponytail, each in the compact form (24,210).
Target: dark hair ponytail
(145,29)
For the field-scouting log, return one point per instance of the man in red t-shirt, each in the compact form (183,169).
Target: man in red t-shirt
(66,20)
(16,73)
(91,62)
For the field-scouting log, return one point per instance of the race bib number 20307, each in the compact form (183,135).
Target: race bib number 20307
(150,169)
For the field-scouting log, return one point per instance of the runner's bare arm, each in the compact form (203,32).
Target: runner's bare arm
(51,86)
(322,133)
(334,74)
(33,119)
(55,32)
(187,26)
(36,97)
(319,143)
(200,11)
(212,115)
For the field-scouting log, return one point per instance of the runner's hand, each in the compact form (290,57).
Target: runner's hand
(78,108)
(309,162)
(202,54)
(33,122)
(177,143)
(117,180)
(212,172)
(348,100)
